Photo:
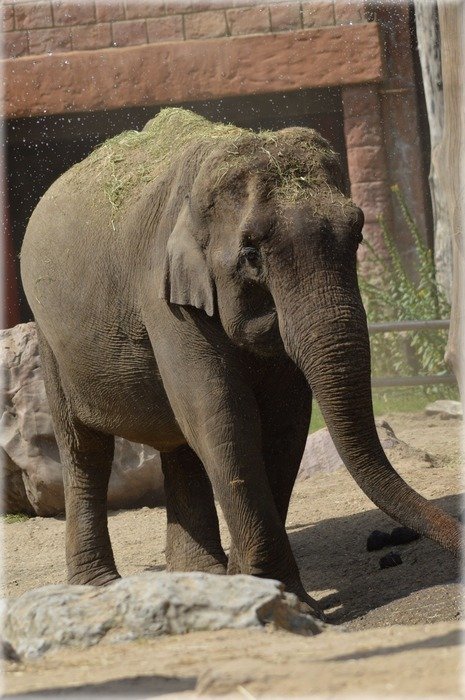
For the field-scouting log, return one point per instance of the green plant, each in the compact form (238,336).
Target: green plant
(15,518)
(402,296)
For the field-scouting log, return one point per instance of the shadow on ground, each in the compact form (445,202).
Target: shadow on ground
(137,688)
(332,555)
(439,642)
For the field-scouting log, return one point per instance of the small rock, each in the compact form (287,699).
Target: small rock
(446,416)
(404,535)
(377,540)
(7,653)
(428,459)
(445,409)
(389,560)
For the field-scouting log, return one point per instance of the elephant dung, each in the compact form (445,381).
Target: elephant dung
(145,606)
(32,473)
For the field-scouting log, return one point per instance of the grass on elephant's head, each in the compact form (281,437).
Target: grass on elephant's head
(9,518)
(297,163)
(390,400)
(131,159)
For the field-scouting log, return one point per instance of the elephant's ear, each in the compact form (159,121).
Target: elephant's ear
(186,278)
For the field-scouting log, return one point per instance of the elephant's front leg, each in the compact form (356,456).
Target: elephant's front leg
(234,462)
(193,537)
(284,401)
(218,413)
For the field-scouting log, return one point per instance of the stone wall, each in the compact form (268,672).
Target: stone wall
(57,26)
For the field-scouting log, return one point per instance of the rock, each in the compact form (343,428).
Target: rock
(33,480)
(14,497)
(390,560)
(136,478)
(445,409)
(320,454)
(7,653)
(145,606)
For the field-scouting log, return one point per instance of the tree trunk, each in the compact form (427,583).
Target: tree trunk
(450,166)
(428,37)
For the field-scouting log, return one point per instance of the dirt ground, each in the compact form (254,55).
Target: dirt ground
(396,631)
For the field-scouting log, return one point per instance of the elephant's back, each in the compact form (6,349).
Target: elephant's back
(69,267)
(66,234)
(125,165)
(79,229)
(75,236)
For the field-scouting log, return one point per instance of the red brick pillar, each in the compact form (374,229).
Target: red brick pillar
(367,164)
(406,159)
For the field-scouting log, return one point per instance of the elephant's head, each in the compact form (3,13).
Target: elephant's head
(266,241)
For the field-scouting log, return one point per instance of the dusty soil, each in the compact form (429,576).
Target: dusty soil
(400,630)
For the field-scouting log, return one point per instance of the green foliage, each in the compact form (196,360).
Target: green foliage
(397,296)
(14,518)
(388,400)
(407,399)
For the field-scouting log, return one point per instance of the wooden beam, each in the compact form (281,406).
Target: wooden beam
(451,172)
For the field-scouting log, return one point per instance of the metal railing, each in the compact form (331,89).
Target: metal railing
(398,327)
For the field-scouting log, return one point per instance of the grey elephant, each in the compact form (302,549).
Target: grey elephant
(193,284)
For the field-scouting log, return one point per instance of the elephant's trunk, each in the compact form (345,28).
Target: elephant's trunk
(326,335)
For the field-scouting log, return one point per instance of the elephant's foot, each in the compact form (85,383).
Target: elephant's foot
(213,569)
(93,578)
(205,563)
(307,604)
(216,569)
(310,606)
(234,566)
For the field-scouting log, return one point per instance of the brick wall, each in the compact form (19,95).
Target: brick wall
(54,26)
(380,114)
(367,164)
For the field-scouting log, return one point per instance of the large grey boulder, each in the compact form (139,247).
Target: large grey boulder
(32,473)
(145,606)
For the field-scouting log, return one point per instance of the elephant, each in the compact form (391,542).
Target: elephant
(194,284)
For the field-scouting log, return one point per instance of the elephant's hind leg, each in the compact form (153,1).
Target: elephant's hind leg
(86,457)
(193,537)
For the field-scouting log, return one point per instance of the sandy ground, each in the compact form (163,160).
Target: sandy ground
(401,625)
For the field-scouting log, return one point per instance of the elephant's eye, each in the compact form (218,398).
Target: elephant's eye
(251,255)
